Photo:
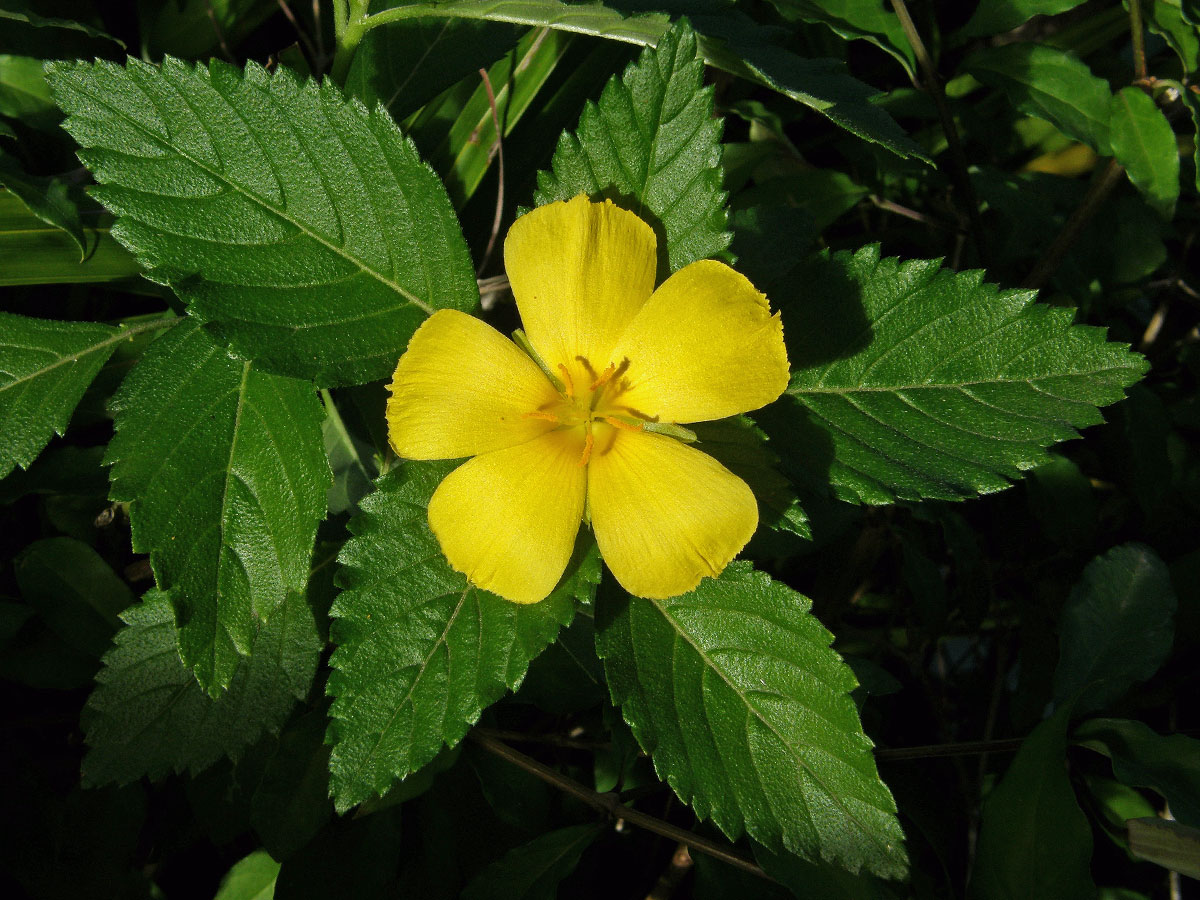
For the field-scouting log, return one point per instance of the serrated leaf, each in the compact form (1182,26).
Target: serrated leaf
(1167,764)
(76,592)
(258,198)
(534,870)
(1143,142)
(32,252)
(1050,84)
(226,475)
(735,693)
(1034,840)
(652,142)
(732,44)
(420,652)
(291,802)
(990,18)
(148,717)
(45,367)
(1117,627)
(911,381)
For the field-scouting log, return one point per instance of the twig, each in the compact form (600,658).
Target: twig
(958,168)
(893,207)
(1087,208)
(611,805)
(308,44)
(1138,36)
(965,748)
(499,148)
(1154,326)
(316,5)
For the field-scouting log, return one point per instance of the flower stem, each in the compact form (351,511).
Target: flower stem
(349,26)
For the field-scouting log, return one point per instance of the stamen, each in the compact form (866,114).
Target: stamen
(582,360)
(588,442)
(569,382)
(542,414)
(671,430)
(624,424)
(604,376)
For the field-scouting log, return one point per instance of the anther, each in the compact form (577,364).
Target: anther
(604,376)
(540,414)
(622,424)
(588,441)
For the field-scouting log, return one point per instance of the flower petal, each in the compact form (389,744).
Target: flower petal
(705,346)
(580,271)
(461,389)
(508,519)
(665,514)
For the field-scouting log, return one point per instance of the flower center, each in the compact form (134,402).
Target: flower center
(587,397)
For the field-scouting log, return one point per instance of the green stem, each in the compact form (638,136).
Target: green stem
(350,24)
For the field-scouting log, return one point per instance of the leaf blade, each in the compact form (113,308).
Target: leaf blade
(1143,142)
(256,196)
(921,383)
(148,717)
(225,470)
(745,710)
(652,138)
(420,653)
(46,367)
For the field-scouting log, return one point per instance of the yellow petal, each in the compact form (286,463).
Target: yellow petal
(508,519)
(461,389)
(665,514)
(579,271)
(705,346)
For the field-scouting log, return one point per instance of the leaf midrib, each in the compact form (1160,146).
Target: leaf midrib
(353,776)
(427,308)
(115,337)
(883,846)
(948,385)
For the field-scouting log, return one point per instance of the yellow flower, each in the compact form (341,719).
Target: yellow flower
(592,427)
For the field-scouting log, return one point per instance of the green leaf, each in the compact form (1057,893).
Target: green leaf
(991,18)
(1167,764)
(77,593)
(250,878)
(1050,84)
(226,474)
(258,197)
(1034,840)
(652,142)
(148,716)
(458,133)
(32,252)
(198,28)
(291,802)
(1171,845)
(1192,101)
(734,45)
(858,20)
(350,458)
(44,369)
(913,381)
(534,870)
(47,198)
(24,94)
(1166,18)
(420,652)
(1143,142)
(407,64)
(735,693)
(28,18)
(1117,628)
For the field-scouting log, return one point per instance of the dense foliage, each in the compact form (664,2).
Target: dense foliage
(958,657)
